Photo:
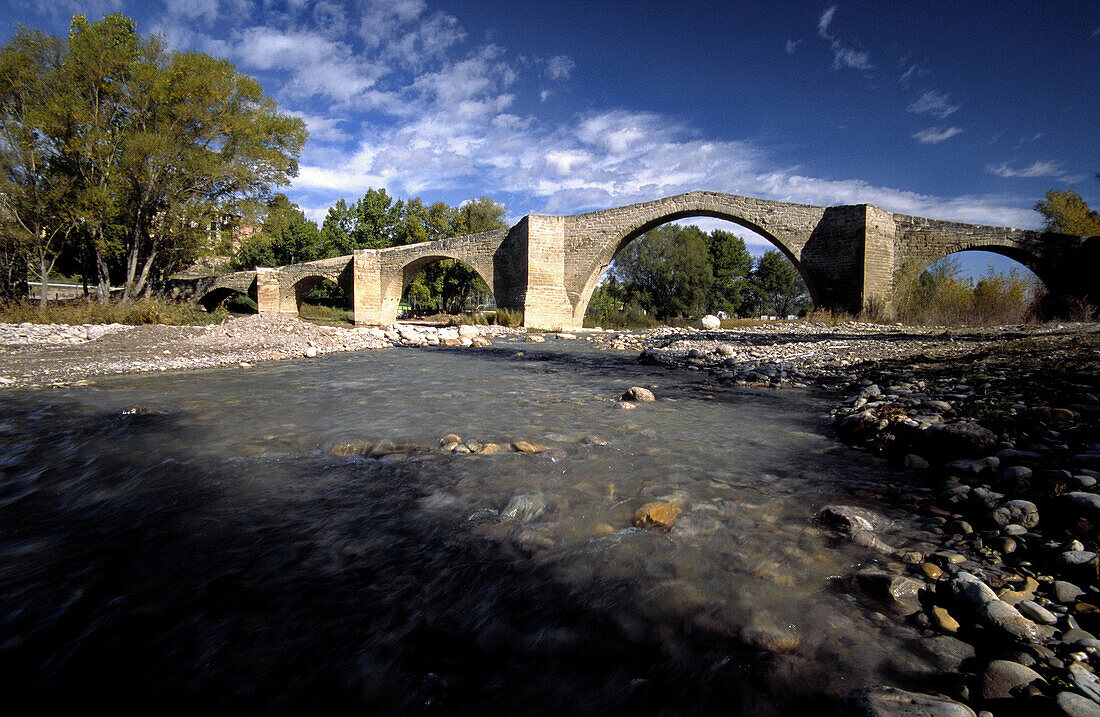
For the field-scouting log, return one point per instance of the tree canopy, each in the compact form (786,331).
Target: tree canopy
(1066,212)
(132,147)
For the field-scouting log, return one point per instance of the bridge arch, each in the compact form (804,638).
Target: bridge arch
(211,292)
(914,267)
(393,286)
(305,284)
(618,240)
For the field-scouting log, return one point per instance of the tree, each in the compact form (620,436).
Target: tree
(776,286)
(1066,212)
(337,228)
(131,148)
(482,215)
(33,189)
(287,237)
(667,271)
(377,220)
(731,265)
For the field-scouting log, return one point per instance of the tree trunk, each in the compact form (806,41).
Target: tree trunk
(103,275)
(145,270)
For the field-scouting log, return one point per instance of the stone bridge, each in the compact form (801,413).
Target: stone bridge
(548,266)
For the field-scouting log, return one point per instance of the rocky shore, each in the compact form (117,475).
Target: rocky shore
(998,430)
(1002,430)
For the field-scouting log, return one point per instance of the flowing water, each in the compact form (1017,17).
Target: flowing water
(209,550)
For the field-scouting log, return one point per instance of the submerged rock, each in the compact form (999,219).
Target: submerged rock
(655,515)
(525,508)
(637,394)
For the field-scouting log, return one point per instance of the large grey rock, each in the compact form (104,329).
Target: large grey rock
(883,701)
(1020,512)
(525,508)
(1075,705)
(1088,503)
(887,586)
(638,395)
(970,587)
(1007,620)
(1002,679)
(710,322)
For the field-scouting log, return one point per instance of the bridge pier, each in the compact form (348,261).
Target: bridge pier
(270,298)
(546,304)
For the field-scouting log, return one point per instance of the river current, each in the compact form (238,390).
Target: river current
(191,541)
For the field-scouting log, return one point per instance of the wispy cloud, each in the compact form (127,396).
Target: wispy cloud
(933,103)
(1047,168)
(935,135)
(559,67)
(792,45)
(843,56)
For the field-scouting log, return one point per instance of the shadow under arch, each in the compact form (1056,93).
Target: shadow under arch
(611,249)
(394,288)
(214,298)
(307,282)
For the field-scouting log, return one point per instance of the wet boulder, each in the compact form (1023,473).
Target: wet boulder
(949,441)
(884,701)
(524,508)
(850,519)
(655,514)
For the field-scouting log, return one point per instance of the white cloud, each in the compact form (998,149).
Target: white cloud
(935,104)
(842,56)
(824,21)
(323,129)
(792,46)
(559,67)
(1048,168)
(935,135)
(847,57)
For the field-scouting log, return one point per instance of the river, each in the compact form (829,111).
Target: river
(191,541)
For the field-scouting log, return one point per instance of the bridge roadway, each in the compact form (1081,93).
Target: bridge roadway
(548,266)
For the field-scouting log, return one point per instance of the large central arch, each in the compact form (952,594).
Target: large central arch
(593,239)
(609,250)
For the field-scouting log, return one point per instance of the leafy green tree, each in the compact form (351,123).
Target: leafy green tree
(34,190)
(1066,212)
(337,228)
(776,286)
(482,215)
(667,271)
(377,220)
(135,147)
(287,237)
(731,265)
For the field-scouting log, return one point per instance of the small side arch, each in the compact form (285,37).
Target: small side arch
(394,286)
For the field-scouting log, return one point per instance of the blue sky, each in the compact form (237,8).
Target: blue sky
(966,111)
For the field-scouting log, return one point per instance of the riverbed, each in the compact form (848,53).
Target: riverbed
(292,537)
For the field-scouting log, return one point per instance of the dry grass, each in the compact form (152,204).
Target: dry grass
(141,311)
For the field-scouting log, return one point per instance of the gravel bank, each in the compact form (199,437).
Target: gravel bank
(49,355)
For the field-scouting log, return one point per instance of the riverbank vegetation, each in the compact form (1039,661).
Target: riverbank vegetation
(145,310)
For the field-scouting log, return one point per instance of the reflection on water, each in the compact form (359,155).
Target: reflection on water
(210,550)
